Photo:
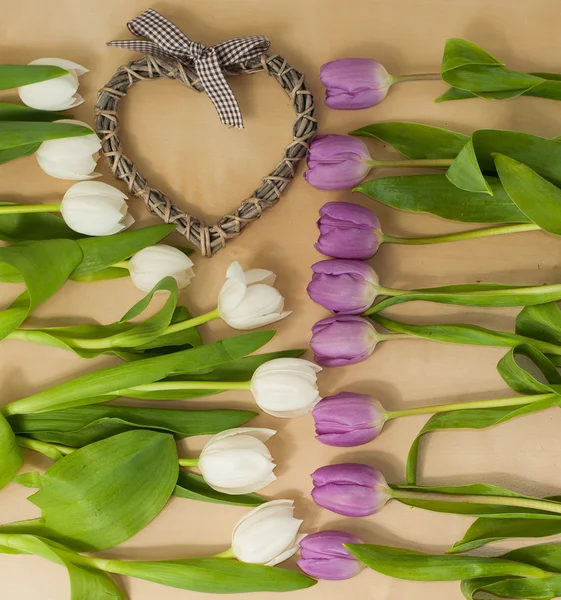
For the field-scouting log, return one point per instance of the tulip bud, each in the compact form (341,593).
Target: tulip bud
(237,461)
(325,557)
(286,387)
(348,231)
(354,83)
(348,419)
(70,158)
(95,208)
(54,94)
(248,299)
(343,286)
(149,266)
(343,340)
(337,162)
(350,489)
(268,534)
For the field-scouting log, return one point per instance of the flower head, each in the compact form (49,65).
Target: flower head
(348,230)
(337,162)
(248,299)
(343,286)
(350,489)
(343,340)
(54,94)
(150,265)
(237,461)
(286,387)
(348,419)
(95,208)
(354,83)
(268,534)
(72,158)
(324,556)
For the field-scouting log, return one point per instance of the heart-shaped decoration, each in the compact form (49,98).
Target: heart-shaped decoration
(208,239)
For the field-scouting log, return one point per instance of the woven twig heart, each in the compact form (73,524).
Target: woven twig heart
(209,239)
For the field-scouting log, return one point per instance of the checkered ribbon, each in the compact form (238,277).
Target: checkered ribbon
(165,39)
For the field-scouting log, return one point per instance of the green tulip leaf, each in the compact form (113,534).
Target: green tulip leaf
(544,377)
(99,253)
(44,266)
(194,487)
(105,384)
(435,194)
(33,226)
(415,140)
(455,94)
(168,341)
(463,334)
(528,589)
(470,419)
(477,294)
(18,152)
(214,575)
(471,507)
(465,173)
(19,112)
(104,493)
(485,531)
(12,458)
(13,76)
(14,134)
(85,583)
(77,427)
(417,566)
(534,195)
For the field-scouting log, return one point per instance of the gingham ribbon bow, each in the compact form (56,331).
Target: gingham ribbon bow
(165,39)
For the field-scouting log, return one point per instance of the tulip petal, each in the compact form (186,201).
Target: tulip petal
(246,324)
(260,276)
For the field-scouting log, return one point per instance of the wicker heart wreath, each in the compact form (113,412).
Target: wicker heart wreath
(170,53)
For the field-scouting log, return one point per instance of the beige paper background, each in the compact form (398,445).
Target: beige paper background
(177,141)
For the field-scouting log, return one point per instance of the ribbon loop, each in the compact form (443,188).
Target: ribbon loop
(163,38)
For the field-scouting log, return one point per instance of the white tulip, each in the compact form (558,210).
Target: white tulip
(54,94)
(248,299)
(268,534)
(72,157)
(286,387)
(237,461)
(95,208)
(149,266)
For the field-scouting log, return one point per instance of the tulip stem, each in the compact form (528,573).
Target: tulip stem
(18,209)
(42,447)
(494,403)
(123,264)
(182,325)
(188,462)
(415,77)
(417,162)
(226,554)
(463,235)
(530,503)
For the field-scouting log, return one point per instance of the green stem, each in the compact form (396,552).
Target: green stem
(417,162)
(123,264)
(43,447)
(19,209)
(494,403)
(415,77)
(531,503)
(188,462)
(186,385)
(209,316)
(463,235)
(226,554)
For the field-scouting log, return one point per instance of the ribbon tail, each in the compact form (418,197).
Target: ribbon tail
(217,88)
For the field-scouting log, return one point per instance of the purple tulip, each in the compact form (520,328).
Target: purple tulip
(354,83)
(337,162)
(343,286)
(343,340)
(350,489)
(348,419)
(325,557)
(348,231)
